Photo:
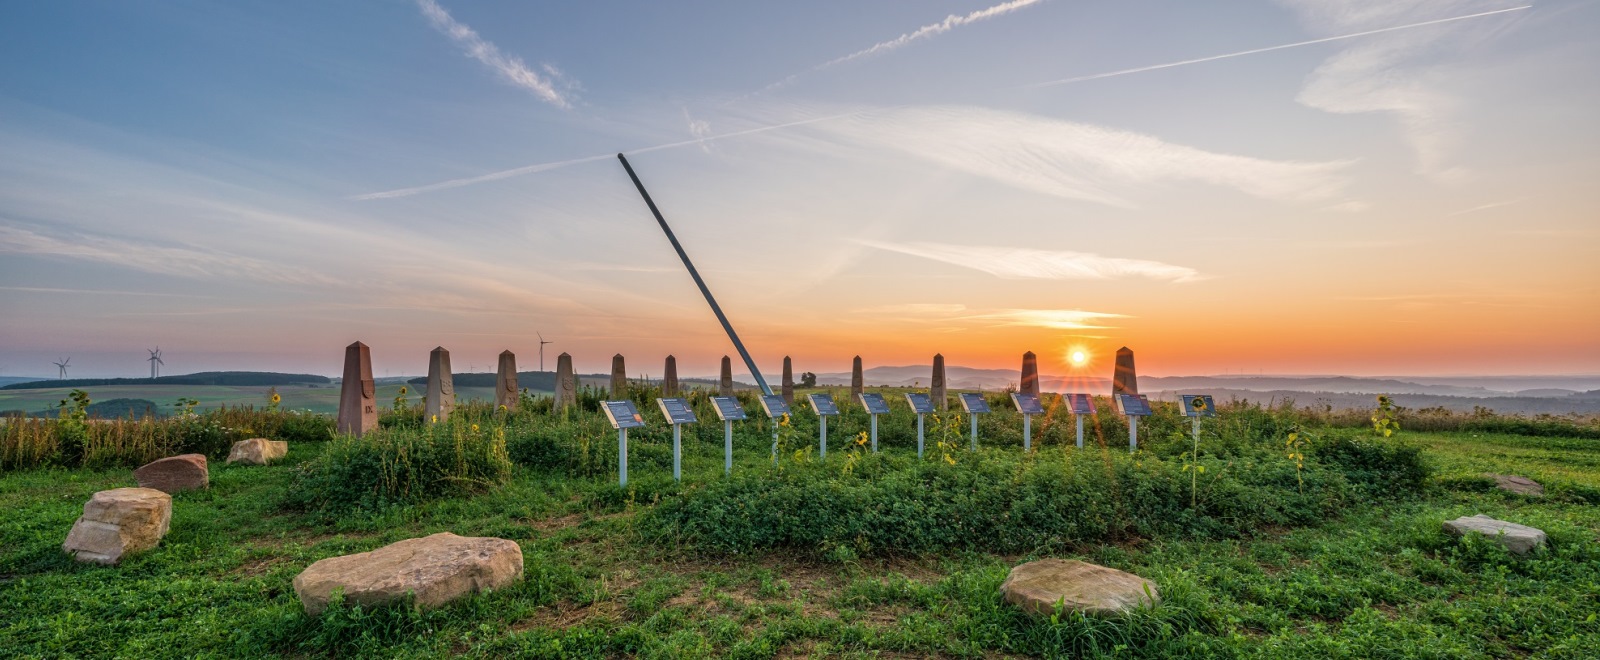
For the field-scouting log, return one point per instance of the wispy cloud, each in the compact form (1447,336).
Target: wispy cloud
(1055,319)
(552,87)
(928,31)
(1075,160)
(1382,74)
(153,258)
(1486,207)
(1027,263)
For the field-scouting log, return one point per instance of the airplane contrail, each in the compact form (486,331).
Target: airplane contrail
(1253,51)
(541,167)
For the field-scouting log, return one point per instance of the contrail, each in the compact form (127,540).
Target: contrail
(1168,65)
(541,167)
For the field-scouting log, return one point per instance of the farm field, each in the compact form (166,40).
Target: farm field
(608,575)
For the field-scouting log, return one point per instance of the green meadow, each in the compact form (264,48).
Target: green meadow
(1338,554)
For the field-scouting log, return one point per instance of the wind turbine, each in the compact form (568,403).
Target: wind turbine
(155,362)
(542,342)
(63,365)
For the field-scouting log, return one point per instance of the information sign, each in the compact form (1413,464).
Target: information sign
(622,414)
(1133,405)
(1199,405)
(874,403)
(774,405)
(1027,403)
(1081,404)
(728,408)
(921,403)
(677,411)
(974,403)
(824,404)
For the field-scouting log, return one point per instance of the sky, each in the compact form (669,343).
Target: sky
(1367,187)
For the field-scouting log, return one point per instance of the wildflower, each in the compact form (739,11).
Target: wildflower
(276,398)
(949,460)
(502,407)
(402,390)
(474,428)
(436,419)
(784,421)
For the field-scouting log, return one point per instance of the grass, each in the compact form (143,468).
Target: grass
(1380,580)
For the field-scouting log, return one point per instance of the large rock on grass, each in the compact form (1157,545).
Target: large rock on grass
(1519,539)
(437,569)
(257,451)
(175,473)
(117,522)
(1039,586)
(1514,484)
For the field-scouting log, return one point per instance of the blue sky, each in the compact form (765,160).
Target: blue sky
(256,184)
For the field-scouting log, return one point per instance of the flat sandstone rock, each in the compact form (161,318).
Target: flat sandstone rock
(438,569)
(1515,484)
(1038,586)
(119,521)
(257,451)
(175,473)
(1519,539)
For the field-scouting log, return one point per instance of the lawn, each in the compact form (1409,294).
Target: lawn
(1380,580)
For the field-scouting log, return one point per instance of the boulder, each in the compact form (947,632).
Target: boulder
(1519,539)
(175,473)
(436,569)
(1039,586)
(1515,484)
(257,451)
(119,521)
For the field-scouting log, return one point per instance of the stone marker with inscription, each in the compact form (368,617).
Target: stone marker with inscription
(669,377)
(936,389)
(619,378)
(788,381)
(566,383)
(358,406)
(505,382)
(725,383)
(1124,380)
(441,386)
(1030,374)
(856,379)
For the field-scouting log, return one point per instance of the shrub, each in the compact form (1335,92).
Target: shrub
(1384,467)
(401,466)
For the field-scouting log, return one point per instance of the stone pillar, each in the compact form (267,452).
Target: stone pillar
(358,405)
(1124,379)
(441,386)
(566,382)
(669,378)
(725,386)
(788,380)
(937,391)
(505,384)
(619,378)
(1030,374)
(855,380)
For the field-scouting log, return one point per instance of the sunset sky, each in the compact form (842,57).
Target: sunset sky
(1293,187)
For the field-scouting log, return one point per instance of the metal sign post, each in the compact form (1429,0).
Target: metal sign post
(875,405)
(678,413)
(923,405)
(776,407)
(974,404)
(1028,404)
(826,408)
(1133,406)
(728,409)
(1082,404)
(623,416)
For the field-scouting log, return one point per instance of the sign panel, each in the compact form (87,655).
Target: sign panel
(824,404)
(874,403)
(774,405)
(1199,405)
(1133,405)
(1081,404)
(974,402)
(921,403)
(1027,403)
(622,414)
(677,411)
(728,408)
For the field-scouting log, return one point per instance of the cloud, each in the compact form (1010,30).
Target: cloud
(917,309)
(1380,75)
(1075,160)
(153,258)
(928,31)
(1026,263)
(1055,319)
(509,67)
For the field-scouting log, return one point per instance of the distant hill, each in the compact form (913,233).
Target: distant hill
(545,381)
(230,378)
(7,380)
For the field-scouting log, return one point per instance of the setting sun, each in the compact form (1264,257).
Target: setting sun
(1078,358)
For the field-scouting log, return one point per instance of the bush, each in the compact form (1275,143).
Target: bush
(1384,467)
(401,466)
(995,501)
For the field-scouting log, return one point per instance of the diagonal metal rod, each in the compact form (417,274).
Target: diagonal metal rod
(765,389)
